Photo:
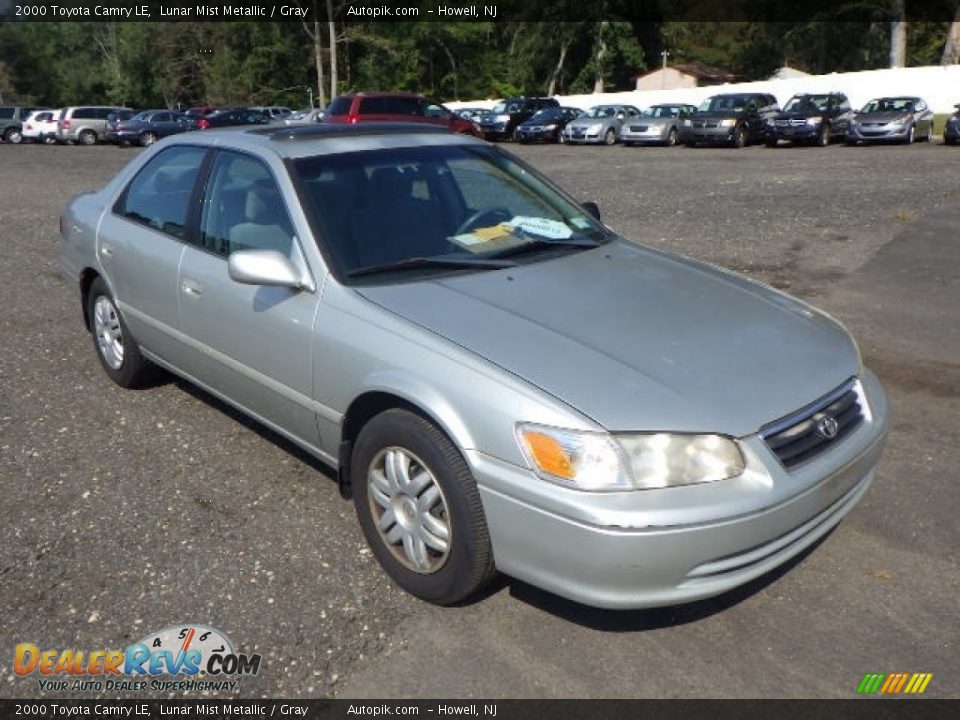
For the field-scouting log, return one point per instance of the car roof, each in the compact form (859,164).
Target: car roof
(297,141)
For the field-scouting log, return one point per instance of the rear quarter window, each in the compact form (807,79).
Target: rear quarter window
(340,106)
(6,113)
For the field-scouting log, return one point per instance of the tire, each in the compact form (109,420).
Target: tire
(13,136)
(672,138)
(561,139)
(610,137)
(395,449)
(739,138)
(823,137)
(911,135)
(116,348)
(87,137)
(147,139)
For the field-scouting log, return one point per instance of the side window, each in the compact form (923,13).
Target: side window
(6,113)
(433,110)
(373,106)
(83,113)
(159,195)
(403,105)
(243,208)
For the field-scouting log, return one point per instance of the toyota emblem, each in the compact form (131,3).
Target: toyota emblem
(828,427)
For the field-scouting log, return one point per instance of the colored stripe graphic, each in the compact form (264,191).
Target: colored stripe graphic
(894,683)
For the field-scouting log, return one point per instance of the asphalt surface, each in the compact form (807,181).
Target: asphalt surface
(124,512)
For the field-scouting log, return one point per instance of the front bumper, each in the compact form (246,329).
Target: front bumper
(652,134)
(634,550)
(794,132)
(707,135)
(580,137)
(540,135)
(883,133)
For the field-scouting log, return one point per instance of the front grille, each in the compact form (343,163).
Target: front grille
(638,128)
(705,124)
(791,122)
(806,433)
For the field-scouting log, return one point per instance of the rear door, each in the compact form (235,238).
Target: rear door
(140,243)
(252,344)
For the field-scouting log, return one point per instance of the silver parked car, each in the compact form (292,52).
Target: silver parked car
(657,125)
(897,119)
(501,382)
(600,124)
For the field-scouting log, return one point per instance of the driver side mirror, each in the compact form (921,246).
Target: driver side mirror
(591,207)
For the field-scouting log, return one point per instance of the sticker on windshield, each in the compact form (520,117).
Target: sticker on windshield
(543,227)
(581,223)
(488,239)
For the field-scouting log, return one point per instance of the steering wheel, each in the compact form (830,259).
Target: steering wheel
(484,217)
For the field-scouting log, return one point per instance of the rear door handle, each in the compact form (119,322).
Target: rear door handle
(192,288)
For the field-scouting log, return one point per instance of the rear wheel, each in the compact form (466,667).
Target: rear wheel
(147,139)
(419,508)
(13,136)
(117,350)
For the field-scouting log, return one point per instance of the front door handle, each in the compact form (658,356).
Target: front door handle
(192,288)
(106,249)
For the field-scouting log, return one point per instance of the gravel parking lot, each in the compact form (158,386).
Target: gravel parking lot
(125,512)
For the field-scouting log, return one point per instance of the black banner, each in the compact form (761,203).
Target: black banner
(471,10)
(862,709)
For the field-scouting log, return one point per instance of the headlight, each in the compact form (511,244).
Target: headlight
(550,127)
(814,120)
(769,122)
(600,461)
(595,128)
(686,123)
(728,122)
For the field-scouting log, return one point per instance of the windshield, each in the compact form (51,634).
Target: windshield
(547,115)
(601,111)
(454,206)
(662,111)
(503,107)
(889,105)
(807,103)
(724,103)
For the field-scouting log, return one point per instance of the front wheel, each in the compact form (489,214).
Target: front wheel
(87,137)
(911,135)
(419,508)
(672,137)
(148,139)
(610,137)
(117,350)
(823,138)
(739,137)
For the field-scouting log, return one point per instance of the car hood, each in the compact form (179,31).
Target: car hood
(652,121)
(883,117)
(639,340)
(799,115)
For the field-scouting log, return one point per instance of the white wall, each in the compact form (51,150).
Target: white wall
(938,85)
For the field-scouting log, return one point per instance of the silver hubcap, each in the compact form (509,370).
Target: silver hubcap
(409,510)
(106,325)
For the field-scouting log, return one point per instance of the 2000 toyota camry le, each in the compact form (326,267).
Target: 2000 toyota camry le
(501,382)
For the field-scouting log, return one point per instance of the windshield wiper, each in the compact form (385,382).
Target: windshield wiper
(539,244)
(416,263)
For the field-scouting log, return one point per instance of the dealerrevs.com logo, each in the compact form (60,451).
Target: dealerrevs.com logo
(201,657)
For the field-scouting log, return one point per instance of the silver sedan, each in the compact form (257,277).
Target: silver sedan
(599,125)
(657,125)
(498,380)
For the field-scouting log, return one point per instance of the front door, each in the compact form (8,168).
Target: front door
(252,343)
